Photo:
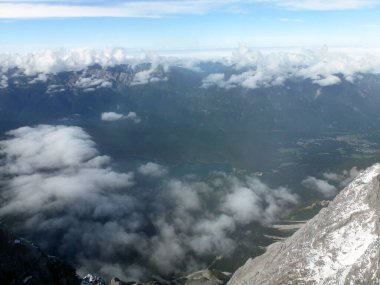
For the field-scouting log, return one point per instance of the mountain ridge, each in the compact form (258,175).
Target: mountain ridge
(338,246)
(22,262)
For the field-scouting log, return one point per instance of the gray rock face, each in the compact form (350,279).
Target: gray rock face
(340,245)
(90,279)
(207,277)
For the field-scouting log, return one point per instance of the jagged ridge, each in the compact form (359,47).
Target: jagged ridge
(340,245)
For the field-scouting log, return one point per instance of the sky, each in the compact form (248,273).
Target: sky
(158,25)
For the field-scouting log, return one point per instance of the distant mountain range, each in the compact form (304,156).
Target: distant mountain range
(177,94)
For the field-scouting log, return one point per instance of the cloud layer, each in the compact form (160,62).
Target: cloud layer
(254,69)
(55,61)
(246,68)
(51,166)
(57,187)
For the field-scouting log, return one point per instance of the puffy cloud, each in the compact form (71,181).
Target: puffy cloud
(59,189)
(41,77)
(55,179)
(246,68)
(214,79)
(200,217)
(140,68)
(55,61)
(146,76)
(55,88)
(133,116)
(92,83)
(344,178)
(50,166)
(185,195)
(321,186)
(213,233)
(329,186)
(3,81)
(31,149)
(153,169)
(253,69)
(112,116)
(252,200)
(240,202)
(328,80)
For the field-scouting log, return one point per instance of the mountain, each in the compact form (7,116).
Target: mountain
(281,133)
(177,94)
(22,262)
(340,245)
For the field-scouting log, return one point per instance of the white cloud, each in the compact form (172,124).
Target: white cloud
(57,187)
(321,186)
(153,169)
(54,61)
(244,204)
(331,182)
(328,80)
(185,195)
(92,82)
(247,68)
(142,68)
(344,178)
(214,79)
(252,200)
(148,75)
(144,77)
(192,224)
(213,234)
(41,77)
(50,165)
(3,81)
(112,116)
(56,182)
(133,116)
(48,147)
(253,69)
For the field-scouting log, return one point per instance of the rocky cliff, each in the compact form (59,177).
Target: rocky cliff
(340,245)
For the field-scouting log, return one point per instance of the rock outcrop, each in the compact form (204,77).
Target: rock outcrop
(90,279)
(207,277)
(340,245)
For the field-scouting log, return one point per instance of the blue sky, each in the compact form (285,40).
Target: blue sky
(188,24)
